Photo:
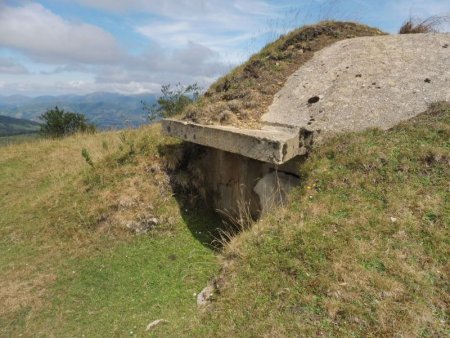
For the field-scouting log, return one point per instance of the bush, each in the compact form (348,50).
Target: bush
(58,123)
(430,25)
(173,101)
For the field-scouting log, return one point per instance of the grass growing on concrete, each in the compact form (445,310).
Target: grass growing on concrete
(241,97)
(71,263)
(421,26)
(360,251)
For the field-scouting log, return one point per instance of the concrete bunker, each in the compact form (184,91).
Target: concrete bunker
(245,171)
(349,86)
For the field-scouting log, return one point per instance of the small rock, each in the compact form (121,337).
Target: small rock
(204,297)
(142,226)
(393,219)
(155,323)
(227,117)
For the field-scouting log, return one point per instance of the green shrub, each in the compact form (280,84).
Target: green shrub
(58,123)
(173,100)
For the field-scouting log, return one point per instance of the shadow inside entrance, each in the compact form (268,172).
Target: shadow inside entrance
(187,185)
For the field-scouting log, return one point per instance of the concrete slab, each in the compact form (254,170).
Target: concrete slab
(270,144)
(355,84)
(369,82)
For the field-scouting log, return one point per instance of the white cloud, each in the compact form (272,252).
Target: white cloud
(228,27)
(35,88)
(47,37)
(194,63)
(10,66)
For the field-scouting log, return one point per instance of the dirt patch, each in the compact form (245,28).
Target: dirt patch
(243,96)
(17,292)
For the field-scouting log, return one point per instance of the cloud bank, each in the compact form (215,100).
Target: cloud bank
(135,46)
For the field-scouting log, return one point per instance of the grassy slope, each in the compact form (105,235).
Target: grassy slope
(12,126)
(69,265)
(361,249)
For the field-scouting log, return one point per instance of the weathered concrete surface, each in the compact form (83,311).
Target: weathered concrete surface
(356,84)
(270,144)
(365,83)
(273,189)
(239,186)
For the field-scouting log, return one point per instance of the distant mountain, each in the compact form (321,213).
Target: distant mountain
(105,110)
(10,126)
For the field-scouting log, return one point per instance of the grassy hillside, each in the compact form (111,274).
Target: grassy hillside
(102,244)
(11,126)
(361,250)
(71,263)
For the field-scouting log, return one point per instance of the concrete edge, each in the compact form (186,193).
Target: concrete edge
(272,144)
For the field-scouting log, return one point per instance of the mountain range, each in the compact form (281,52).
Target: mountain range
(10,126)
(105,110)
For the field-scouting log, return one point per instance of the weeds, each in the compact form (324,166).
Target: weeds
(429,25)
(87,157)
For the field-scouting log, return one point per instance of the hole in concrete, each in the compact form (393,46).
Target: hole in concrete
(445,46)
(358,75)
(313,99)
(427,80)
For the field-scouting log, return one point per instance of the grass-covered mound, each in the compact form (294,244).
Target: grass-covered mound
(361,250)
(71,264)
(241,97)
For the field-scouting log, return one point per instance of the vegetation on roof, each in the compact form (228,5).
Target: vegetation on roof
(241,97)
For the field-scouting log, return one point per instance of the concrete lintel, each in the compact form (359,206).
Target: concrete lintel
(271,144)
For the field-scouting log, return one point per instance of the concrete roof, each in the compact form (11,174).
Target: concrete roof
(355,84)
(368,82)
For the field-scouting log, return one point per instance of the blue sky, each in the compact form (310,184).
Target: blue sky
(54,47)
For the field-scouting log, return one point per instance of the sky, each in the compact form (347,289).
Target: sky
(55,47)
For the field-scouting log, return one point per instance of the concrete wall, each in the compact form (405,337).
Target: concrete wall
(236,184)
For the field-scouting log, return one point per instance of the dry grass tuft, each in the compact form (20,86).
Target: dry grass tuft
(429,25)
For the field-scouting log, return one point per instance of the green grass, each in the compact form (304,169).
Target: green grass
(360,251)
(69,265)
